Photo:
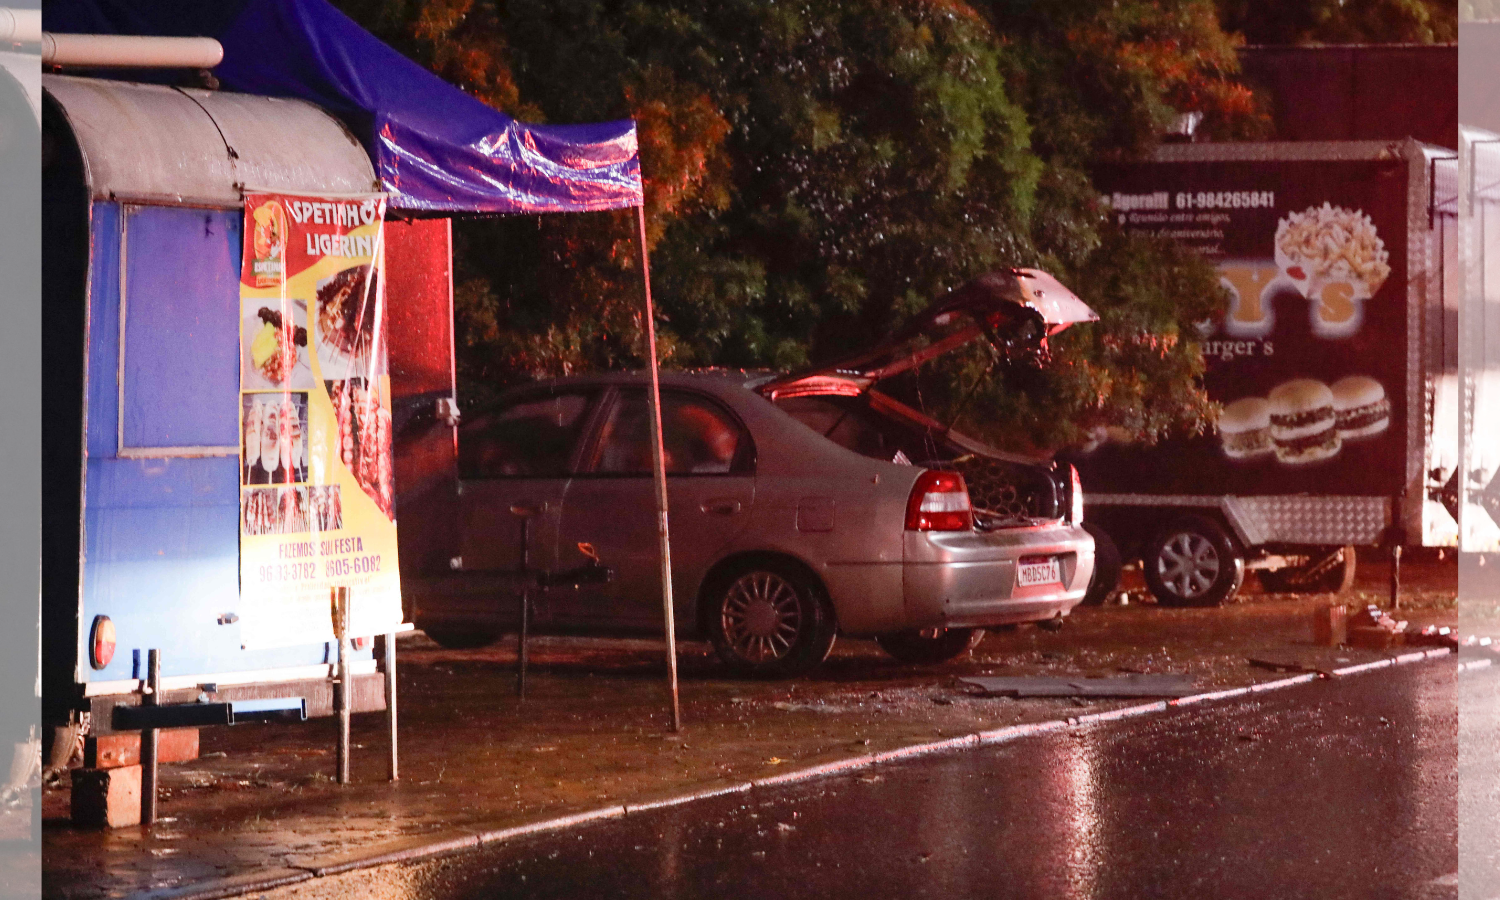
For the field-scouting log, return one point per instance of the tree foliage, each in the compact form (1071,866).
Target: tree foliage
(817,170)
(1341,21)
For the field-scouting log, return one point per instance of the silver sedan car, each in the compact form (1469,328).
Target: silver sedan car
(800,508)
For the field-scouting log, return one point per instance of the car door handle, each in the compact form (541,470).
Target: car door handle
(722,506)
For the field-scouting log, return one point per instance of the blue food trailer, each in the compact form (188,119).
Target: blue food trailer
(143,222)
(143,241)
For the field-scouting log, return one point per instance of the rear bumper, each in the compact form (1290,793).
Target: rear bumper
(968,579)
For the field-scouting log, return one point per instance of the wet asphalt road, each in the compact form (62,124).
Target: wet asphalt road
(1333,789)
(1479,777)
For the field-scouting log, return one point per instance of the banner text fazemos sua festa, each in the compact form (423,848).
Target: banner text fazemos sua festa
(316,492)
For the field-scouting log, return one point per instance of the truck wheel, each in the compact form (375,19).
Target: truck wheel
(769,620)
(930,646)
(1107,566)
(462,637)
(1330,572)
(1193,562)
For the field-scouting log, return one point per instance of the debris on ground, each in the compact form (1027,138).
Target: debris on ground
(1118,686)
(1287,665)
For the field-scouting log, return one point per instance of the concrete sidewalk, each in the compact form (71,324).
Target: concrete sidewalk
(260,806)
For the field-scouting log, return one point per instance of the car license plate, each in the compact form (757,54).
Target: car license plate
(1039,571)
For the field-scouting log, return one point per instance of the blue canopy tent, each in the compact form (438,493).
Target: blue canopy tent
(435,149)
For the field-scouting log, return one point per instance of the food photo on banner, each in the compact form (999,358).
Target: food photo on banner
(316,495)
(1308,362)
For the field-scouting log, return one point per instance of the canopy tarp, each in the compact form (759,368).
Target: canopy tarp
(435,148)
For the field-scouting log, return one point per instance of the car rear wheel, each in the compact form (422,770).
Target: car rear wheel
(1107,566)
(1193,562)
(466,637)
(769,620)
(930,645)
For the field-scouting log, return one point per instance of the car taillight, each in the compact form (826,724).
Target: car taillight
(939,502)
(1075,510)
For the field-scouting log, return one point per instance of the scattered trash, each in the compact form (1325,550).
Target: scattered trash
(1375,630)
(1282,665)
(1166,685)
(1433,636)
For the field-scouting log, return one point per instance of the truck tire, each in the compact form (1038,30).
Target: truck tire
(1107,565)
(1330,572)
(1193,562)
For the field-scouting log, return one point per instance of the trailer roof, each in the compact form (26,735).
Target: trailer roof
(186,147)
(1280,151)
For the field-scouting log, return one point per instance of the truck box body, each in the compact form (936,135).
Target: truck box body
(1339,258)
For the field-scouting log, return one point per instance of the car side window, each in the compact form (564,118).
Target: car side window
(532,438)
(698,438)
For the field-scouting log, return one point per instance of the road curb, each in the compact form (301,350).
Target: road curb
(242,885)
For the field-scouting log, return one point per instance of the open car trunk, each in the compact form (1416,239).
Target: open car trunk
(1016,311)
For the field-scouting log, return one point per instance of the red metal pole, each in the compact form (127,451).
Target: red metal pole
(659,475)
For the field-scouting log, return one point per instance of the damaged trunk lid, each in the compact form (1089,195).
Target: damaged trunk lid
(1015,310)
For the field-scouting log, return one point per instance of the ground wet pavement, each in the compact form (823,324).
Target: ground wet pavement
(1331,789)
(1479,777)
(593,732)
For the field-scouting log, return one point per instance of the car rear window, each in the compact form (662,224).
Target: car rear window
(698,437)
(850,423)
(532,438)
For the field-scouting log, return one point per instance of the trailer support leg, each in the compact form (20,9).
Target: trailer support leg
(390,699)
(1396,576)
(341,694)
(149,737)
(522,638)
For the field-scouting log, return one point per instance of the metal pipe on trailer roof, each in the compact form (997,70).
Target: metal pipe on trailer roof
(20,26)
(120,51)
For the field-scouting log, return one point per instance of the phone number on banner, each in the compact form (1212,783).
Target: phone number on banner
(308,571)
(1226,200)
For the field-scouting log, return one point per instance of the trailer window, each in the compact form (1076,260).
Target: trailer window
(179,332)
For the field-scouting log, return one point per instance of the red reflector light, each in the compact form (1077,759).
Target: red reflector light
(101,642)
(939,502)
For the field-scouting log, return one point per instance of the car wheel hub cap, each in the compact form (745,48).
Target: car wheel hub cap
(1188,565)
(762,616)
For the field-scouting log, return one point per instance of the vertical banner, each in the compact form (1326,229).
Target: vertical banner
(316,488)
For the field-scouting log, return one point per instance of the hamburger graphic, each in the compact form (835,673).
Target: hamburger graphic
(1245,429)
(1360,407)
(1304,424)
